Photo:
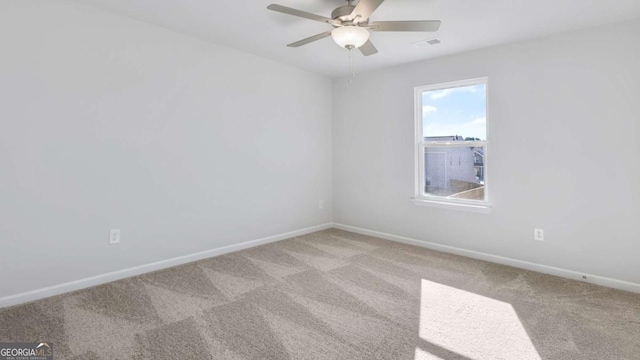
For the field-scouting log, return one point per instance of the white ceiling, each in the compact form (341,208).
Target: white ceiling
(466,24)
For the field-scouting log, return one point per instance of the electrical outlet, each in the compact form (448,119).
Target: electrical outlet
(321,204)
(114,236)
(538,234)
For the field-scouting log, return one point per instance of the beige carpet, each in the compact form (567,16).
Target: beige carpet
(335,295)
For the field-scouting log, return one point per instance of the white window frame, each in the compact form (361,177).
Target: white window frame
(420,198)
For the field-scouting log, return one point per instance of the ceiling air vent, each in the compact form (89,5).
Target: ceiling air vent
(426,43)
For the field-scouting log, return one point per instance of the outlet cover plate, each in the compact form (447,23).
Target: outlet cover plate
(114,236)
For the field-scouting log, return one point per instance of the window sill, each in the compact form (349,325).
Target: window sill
(483,209)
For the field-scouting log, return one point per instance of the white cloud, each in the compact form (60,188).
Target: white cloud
(439,94)
(480,121)
(427,109)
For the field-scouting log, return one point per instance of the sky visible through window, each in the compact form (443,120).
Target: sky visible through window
(455,111)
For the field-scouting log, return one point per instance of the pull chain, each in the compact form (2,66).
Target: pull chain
(353,74)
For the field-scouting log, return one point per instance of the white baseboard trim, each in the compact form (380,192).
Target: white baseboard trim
(46,292)
(569,274)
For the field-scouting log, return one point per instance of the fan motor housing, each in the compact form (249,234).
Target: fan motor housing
(343,13)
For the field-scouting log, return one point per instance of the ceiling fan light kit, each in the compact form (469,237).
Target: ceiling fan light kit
(351,25)
(350,37)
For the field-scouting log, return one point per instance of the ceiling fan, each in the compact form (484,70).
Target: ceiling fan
(351,25)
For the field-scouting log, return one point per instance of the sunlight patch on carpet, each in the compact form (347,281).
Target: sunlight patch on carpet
(472,325)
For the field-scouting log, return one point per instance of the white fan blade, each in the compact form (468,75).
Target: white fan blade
(368,48)
(364,9)
(310,39)
(298,13)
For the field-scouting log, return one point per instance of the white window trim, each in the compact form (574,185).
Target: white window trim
(419,144)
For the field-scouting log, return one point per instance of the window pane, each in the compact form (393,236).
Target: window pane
(455,172)
(456,113)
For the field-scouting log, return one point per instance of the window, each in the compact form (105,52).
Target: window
(451,144)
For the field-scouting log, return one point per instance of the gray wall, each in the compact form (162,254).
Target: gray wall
(107,122)
(563,139)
